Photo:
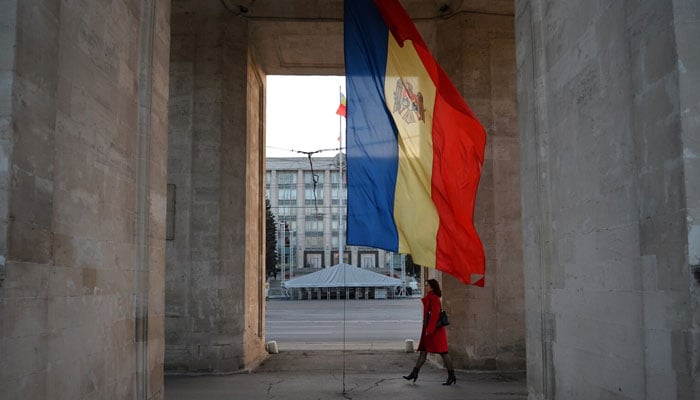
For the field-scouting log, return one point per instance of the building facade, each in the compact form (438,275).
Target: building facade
(308,199)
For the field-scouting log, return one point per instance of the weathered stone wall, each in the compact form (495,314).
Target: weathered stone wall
(686,15)
(8,37)
(606,126)
(478,53)
(687,30)
(214,287)
(83,128)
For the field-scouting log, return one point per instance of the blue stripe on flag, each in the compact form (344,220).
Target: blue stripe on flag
(372,148)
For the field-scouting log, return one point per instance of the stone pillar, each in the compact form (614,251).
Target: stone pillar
(686,28)
(83,138)
(8,38)
(665,72)
(214,267)
(608,126)
(247,170)
(488,331)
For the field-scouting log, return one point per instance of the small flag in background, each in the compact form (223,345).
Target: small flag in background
(414,148)
(342,110)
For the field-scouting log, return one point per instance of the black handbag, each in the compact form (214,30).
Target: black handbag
(443,320)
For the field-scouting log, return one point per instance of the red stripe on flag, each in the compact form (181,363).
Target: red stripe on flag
(342,110)
(459,141)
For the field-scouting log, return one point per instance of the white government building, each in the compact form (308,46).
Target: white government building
(310,212)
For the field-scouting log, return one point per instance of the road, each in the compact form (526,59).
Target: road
(322,324)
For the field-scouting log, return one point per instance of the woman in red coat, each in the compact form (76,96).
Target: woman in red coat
(432,338)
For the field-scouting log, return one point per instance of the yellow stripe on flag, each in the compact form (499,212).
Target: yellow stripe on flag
(410,95)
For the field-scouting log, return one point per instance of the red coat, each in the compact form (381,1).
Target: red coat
(432,339)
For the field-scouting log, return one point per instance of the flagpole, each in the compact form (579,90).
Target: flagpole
(340,222)
(341,248)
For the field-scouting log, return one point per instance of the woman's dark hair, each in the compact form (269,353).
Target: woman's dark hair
(435,286)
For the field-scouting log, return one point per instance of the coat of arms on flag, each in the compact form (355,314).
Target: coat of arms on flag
(407,103)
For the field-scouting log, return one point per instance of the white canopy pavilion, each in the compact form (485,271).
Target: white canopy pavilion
(342,280)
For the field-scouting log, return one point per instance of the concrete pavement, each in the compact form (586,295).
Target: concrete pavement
(349,374)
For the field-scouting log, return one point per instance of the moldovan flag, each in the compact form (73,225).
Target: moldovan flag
(414,148)
(342,110)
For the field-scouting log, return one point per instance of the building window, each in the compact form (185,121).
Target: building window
(336,189)
(313,232)
(287,178)
(313,259)
(346,257)
(287,197)
(368,259)
(309,198)
(314,227)
(287,188)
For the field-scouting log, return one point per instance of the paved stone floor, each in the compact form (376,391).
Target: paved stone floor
(350,374)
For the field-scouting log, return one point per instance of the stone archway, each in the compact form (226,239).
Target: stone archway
(608,121)
(220,54)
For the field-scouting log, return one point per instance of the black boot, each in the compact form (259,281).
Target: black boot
(414,375)
(451,378)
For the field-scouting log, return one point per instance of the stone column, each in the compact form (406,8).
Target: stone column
(83,105)
(8,38)
(247,240)
(215,274)
(687,19)
(488,331)
(665,120)
(606,115)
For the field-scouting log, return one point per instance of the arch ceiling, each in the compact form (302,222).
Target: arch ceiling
(306,36)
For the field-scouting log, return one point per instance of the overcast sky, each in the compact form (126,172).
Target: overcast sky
(301,114)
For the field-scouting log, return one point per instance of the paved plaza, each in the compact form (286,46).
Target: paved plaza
(312,364)
(365,375)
